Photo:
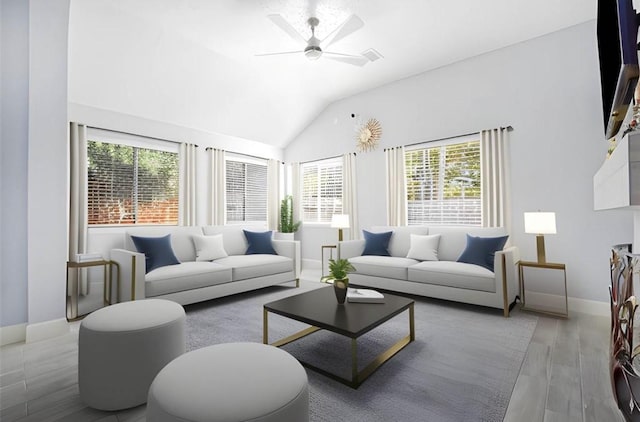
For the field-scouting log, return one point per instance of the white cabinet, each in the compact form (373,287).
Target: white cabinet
(617,182)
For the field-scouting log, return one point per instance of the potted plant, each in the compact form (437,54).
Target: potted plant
(286,224)
(338,271)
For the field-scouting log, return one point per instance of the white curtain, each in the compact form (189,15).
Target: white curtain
(396,187)
(187,157)
(296,191)
(496,211)
(273,194)
(78,219)
(349,194)
(218,180)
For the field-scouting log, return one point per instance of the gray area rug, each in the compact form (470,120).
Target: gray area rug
(461,367)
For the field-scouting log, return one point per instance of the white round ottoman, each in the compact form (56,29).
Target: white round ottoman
(231,382)
(121,348)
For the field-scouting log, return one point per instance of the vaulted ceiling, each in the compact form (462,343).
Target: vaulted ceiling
(193,62)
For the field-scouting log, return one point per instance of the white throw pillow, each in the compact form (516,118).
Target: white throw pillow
(209,248)
(424,247)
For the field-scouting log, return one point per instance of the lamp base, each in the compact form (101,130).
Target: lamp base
(339,235)
(542,259)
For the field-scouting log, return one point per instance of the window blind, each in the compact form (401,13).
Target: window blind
(444,185)
(246,191)
(131,185)
(321,190)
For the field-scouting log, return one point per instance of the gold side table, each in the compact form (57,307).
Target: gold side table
(331,248)
(73,295)
(547,266)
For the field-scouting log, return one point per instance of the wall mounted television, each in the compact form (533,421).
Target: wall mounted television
(617,31)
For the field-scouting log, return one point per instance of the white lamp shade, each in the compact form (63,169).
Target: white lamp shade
(340,221)
(540,222)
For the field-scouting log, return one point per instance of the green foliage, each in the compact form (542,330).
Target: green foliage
(338,269)
(131,185)
(286,216)
(118,164)
(447,172)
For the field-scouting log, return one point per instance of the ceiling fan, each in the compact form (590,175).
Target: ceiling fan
(313,49)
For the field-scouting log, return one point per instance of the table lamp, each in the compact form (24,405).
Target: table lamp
(540,223)
(340,221)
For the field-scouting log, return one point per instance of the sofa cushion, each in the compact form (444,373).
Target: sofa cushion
(424,247)
(482,250)
(376,243)
(382,266)
(400,242)
(453,240)
(259,243)
(453,274)
(235,242)
(185,276)
(157,251)
(257,265)
(209,248)
(181,238)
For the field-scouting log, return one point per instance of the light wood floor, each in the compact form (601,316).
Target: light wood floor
(564,377)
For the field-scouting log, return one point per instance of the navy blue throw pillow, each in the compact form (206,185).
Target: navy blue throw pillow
(259,243)
(376,243)
(157,251)
(482,250)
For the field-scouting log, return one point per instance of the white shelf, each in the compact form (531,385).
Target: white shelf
(616,185)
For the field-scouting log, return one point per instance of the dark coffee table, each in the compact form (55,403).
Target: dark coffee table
(320,309)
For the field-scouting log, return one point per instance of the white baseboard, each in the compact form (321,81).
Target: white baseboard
(13,334)
(46,329)
(556,302)
(592,307)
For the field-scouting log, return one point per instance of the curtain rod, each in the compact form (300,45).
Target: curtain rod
(325,158)
(239,153)
(135,134)
(509,128)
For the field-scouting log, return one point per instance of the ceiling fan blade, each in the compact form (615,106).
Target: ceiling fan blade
(286,27)
(280,53)
(346,58)
(352,24)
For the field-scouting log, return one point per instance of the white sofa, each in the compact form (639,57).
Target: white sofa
(442,279)
(193,281)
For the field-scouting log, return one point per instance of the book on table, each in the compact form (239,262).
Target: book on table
(364,296)
(88,257)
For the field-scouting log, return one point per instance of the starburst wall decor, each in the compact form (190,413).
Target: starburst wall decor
(368,135)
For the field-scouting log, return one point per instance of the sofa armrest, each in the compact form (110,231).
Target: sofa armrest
(131,272)
(350,248)
(290,249)
(506,273)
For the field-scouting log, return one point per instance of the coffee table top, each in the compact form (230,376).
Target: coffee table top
(320,308)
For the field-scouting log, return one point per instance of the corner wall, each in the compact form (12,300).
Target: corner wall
(14,123)
(548,89)
(47,160)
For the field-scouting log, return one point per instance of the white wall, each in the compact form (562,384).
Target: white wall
(14,94)
(548,90)
(47,159)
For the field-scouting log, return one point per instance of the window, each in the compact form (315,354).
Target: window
(321,190)
(443,184)
(129,184)
(246,191)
